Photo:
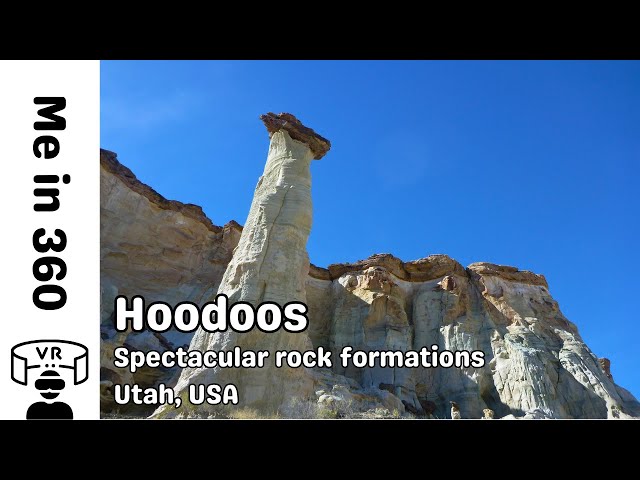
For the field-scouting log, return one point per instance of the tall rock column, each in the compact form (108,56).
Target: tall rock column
(270,263)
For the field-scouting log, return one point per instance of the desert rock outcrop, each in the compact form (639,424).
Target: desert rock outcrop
(537,365)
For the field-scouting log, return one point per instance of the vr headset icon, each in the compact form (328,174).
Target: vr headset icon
(49,355)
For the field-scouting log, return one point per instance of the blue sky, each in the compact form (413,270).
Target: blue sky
(530,164)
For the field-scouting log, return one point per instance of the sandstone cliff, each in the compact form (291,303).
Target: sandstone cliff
(160,249)
(537,366)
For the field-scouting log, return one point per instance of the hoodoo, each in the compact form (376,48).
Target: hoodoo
(271,264)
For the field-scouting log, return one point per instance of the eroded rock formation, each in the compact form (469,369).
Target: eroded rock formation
(160,249)
(535,358)
(537,365)
(270,263)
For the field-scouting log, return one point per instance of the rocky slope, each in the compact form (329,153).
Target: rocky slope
(537,365)
(160,249)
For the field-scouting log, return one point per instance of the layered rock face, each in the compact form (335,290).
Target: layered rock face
(537,365)
(160,249)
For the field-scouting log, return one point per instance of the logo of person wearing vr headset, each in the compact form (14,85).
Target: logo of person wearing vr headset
(47,363)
